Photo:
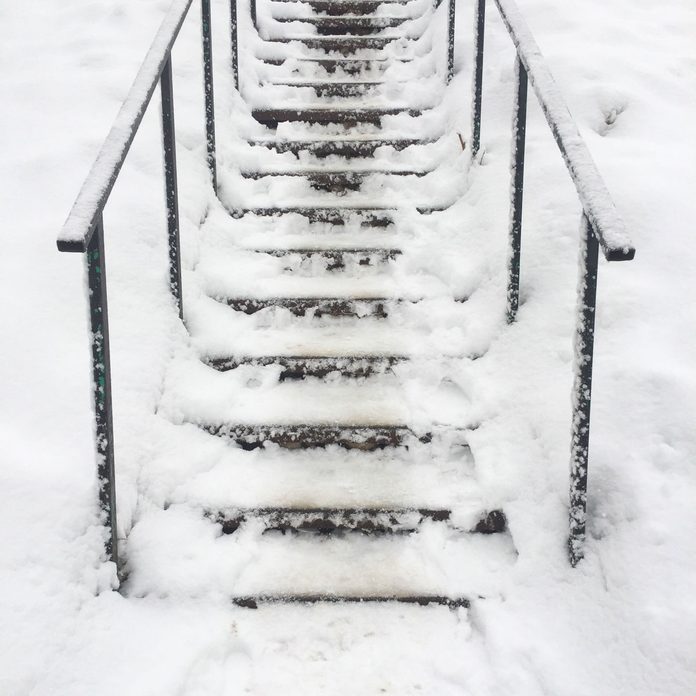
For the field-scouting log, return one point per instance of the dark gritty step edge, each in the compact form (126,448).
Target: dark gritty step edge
(347,6)
(337,259)
(344,26)
(342,175)
(300,367)
(350,66)
(423,600)
(320,306)
(333,181)
(334,89)
(308,436)
(329,115)
(367,217)
(370,521)
(343,45)
(341,148)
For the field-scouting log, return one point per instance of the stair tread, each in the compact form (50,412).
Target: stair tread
(198,394)
(435,474)
(179,550)
(216,332)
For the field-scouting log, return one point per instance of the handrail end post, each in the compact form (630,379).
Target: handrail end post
(101,388)
(582,389)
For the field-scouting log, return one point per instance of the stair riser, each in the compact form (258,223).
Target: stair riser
(341,149)
(334,522)
(329,216)
(368,522)
(331,66)
(348,27)
(338,9)
(301,368)
(344,47)
(366,439)
(319,309)
(349,118)
(339,183)
(338,90)
(337,259)
(253,602)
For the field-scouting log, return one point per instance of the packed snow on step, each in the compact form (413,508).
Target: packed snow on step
(492,399)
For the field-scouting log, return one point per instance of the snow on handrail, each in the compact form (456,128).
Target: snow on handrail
(90,202)
(596,201)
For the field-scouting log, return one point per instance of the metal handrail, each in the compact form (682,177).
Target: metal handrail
(83,231)
(607,225)
(600,226)
(91,200)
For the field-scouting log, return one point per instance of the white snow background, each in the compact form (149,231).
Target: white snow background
(622,622)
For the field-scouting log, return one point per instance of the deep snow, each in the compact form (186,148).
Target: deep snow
(623,622)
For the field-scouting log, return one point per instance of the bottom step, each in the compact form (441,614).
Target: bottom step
(253,602)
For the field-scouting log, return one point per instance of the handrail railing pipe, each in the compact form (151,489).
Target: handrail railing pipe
(451,20)
(209,91)
(477,90)
(170,182)
(601,226)
(234,43)
(83,231)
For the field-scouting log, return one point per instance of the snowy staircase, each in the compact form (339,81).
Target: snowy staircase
(323,486)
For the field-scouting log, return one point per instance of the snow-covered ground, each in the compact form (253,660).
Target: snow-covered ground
(622,622)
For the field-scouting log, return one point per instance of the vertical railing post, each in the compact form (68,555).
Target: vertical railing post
(170,182)
(479,31)
(101,386)
(209,93)
(582,388)
(450,39)
(234,43)
(519,127)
